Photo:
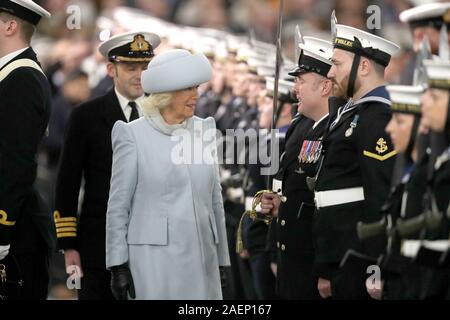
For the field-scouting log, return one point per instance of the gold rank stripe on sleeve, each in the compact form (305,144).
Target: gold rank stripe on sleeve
(379,157)
(66,226)
(4,219)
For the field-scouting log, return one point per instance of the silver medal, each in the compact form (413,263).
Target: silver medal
(349,132)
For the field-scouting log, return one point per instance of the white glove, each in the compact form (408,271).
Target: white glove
(4,250)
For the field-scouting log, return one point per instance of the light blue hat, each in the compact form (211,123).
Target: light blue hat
(175,70)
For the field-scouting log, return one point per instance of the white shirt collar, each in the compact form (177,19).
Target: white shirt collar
(124,103)
(4,60)
(317,122)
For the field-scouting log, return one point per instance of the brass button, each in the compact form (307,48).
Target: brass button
(283,247)
(278,244)
(283,222)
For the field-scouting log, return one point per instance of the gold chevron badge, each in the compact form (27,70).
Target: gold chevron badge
(381,147)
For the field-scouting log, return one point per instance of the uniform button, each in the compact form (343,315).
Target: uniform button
(283,247)
(283,222)
(278,244)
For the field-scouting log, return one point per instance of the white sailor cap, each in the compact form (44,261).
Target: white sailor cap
(221,52)
(284,89)
(175,70)
(25,9)
(207,49)
(266,70)
(233,43)
(315,56)
(132,46)
(365,44)
(430,14)
(245,52)
(438,73)
(255,63)
(405,99)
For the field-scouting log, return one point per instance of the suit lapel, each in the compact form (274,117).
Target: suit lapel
(111,109)
(291,128)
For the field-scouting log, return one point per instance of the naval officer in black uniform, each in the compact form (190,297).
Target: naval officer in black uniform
(356,167)
(26,229)
(293,227)
(87,154)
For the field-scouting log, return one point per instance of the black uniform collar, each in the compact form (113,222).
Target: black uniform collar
(27,54)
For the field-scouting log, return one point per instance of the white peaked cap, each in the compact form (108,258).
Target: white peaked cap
(317,48)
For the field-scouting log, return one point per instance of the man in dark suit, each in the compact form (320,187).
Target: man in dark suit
(27,233)
(87,154)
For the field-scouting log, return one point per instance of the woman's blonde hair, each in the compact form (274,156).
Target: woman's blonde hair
(156,101)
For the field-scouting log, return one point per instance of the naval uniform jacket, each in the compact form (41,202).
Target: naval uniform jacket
(25,220)
(87,153)
(292,228)
(357,153)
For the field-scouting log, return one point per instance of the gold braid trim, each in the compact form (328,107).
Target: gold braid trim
(254,216)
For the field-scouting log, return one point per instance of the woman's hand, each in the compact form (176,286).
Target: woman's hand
(122,282)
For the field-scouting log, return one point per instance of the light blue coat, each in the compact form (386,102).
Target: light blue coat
(166,219)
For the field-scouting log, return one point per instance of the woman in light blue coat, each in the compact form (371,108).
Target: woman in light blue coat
(165,226)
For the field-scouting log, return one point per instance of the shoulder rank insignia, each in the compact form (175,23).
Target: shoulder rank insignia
(381,148)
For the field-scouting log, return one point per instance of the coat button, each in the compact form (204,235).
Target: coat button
(283,247)
(278,244)
(283,222)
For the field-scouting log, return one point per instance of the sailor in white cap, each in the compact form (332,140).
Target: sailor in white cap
(406,198)
(436,119)
(357,162)
(87,154)
(293,228)
(406,116)
(165,230)
(425,21)
(436,99)
(24,114)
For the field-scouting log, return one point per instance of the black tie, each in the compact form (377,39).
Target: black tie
(134,112)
